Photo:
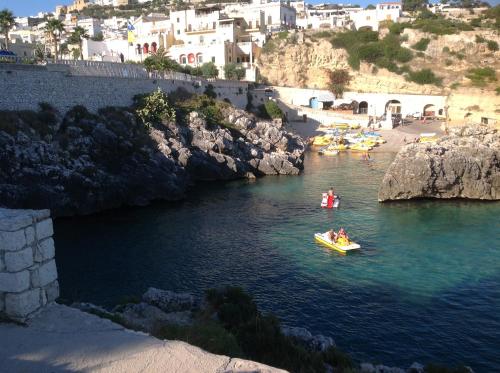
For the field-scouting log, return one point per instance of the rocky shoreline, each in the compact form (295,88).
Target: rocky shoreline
(82,163)
(464,164)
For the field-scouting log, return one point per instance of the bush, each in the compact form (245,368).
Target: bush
(492,45)
(424,76)
(497,90)
(323,34)
(339,79)
(209,70)
(448,62)
(232,71)
(282,35)
(270,110)
(455,85)
(210,92)
(269,47)
(480,39)
(151,109)
(475,22)
(480,76)
(422,44)
(398,28)
(446,50)
(440,26)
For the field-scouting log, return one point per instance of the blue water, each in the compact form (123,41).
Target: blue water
(425,287)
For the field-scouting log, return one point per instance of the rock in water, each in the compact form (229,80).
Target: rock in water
(465,164)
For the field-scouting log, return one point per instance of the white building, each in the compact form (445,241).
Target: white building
(371,18)
(276,14)
(91,25)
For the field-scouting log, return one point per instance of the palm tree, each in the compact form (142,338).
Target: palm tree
(63,50)
(79,33)
(54,28)
(6,24)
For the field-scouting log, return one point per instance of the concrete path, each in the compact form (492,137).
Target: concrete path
(64,339)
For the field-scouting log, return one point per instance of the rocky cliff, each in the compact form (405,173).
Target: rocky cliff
(465,164)
(83,163)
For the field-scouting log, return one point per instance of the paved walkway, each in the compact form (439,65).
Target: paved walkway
(64,339)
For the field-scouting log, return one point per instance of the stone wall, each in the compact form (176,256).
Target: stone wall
(24,87)
(28,274)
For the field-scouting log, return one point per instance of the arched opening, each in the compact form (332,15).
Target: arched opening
(145,48)
(191,58)
(363,107)
(154,47)
(199,58)
(429,110)
(182,59)
(393,107)
(138,48)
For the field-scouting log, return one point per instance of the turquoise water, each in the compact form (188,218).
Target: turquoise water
(425,287)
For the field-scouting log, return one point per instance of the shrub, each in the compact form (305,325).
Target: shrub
(374,70)
(497,90)
(269,47)
(455,85)
(475,22)
(282,35)
(323,34)
(421,54)
(271,110)
(339,79)
(440,26)
(209,70)
(209,91)
(492,45)
(480,76)
(480,39)
(424,76)
(398,28)
(422,44)
(153,108)
(448,62)
(446,50)
(232,71)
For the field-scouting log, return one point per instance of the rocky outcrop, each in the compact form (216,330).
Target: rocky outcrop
(84,163)
(304,337)
(465,164)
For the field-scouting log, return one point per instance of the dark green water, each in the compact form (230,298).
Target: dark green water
(425,287)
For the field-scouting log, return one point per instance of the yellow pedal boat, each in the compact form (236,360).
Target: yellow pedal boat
(322,140)
(341,245)
(360,147)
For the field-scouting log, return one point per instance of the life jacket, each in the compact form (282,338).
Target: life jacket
(330,202)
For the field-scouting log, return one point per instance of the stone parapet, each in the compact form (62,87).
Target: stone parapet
(28,273)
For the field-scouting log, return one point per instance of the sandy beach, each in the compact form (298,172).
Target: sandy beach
(395,138)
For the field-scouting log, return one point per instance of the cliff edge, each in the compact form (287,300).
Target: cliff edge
(465,164)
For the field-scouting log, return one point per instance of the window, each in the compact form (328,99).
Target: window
(214,25)
(199,58)
(249,24)
(213,59)
(201,39)
(178,32)
(182,59)
(230,59)
(269,20)
(484,120)
(178,20)
(190,28)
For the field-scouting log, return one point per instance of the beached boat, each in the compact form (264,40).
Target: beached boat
(428,137)
(328,151)
(360,147)
(322,140)
(341,245)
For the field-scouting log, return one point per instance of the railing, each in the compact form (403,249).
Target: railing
(101,68)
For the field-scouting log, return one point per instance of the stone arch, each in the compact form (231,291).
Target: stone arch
(182,59)
(429,110)
(393,107)
(199,58)
(363,107)
(145,48)
(191,58)
(154,47)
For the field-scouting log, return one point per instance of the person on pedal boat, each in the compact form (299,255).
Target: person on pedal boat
(332,235)
(331,198)
(342,234)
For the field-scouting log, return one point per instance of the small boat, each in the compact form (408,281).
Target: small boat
(341,245)
(322,140)
(338,147)
(428,137)
(327,151)
(360,147)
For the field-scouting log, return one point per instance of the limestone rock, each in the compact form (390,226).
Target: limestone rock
(168,301)
(465,164)
(313,342)
(83,163)
(146,317)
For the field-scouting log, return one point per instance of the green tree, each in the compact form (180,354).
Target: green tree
(98,37)
(370,6)
(77,36)
(232,71)
(339,79)
(154,107)
(209,70)
(6,24)
(40,52)
(54,29)
(64,50)
(411,5)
